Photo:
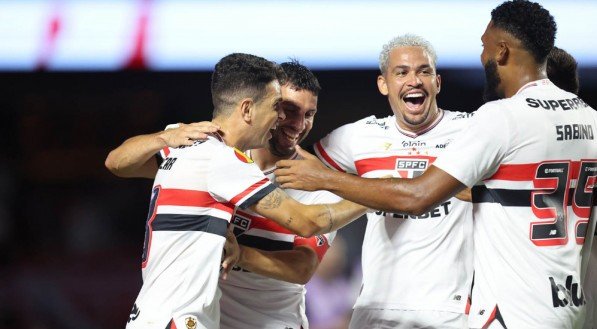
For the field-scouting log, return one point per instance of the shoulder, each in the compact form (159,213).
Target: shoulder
(458,115)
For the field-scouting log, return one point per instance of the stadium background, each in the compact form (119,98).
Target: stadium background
(71,233)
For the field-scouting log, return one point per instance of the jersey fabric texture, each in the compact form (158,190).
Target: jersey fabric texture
(409,262)
(532,161)
(253,301)
(194,195)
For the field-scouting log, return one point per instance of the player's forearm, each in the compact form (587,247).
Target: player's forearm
(296,266)
(411,196)
(134,158)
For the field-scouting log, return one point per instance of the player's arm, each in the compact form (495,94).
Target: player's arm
(412,196)
(134,158)
(306,220)
(296,266)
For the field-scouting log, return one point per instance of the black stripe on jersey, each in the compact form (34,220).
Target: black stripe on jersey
(196,223)
(258,196)
(264,243)
(510,198)
(507,198)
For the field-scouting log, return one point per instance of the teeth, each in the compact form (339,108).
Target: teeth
(414,95)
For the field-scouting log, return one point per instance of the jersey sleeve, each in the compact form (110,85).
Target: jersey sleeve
(477,152)
(234,178)
(319,243)
(334,150)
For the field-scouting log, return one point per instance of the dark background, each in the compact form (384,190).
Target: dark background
(71,234)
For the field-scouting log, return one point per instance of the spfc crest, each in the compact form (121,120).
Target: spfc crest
(241,224)
(191,323)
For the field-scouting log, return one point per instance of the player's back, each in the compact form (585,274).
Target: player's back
(532,208)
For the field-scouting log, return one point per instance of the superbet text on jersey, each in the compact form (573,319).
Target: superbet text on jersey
(194,195)
(532,160)
(409,262)
(253,301)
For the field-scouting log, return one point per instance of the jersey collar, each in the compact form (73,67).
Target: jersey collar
(536,83)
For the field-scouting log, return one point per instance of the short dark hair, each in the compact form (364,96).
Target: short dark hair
(562,70)
(301,77)
(237,76)
(530,23)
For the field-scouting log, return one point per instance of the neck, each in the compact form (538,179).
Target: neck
(232,137)
(520,76)
(265,159)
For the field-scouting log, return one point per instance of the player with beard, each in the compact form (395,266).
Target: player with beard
(402,254)
(266,288)
(531,159)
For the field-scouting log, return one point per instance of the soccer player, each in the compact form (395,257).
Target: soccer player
(404,255)
(562,71)
(531,158)
(197,189)
(267,288)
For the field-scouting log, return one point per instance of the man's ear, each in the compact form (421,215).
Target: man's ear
(503,53)
(382,85)
(246,109)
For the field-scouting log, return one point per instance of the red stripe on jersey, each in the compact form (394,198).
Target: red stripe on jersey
(490,319)
(527,171)
(191,198)
(251,188)
(387,163)
(467,309)
(263,223)
(327,158)
(319,244)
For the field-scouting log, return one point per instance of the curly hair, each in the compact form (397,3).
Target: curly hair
(237,76)
(530,23)
(300,77)
(562,70)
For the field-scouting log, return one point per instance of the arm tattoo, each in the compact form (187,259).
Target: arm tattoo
(330,218)
(272,200)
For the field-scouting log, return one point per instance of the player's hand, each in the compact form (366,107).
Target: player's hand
(187,134)
(231,252)
(308,174)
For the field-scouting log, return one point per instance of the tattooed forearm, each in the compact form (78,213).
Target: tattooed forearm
(273,200)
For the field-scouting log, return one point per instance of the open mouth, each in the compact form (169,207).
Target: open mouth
(414,100)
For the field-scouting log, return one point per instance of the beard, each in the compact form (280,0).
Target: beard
(492,81)
(278,149)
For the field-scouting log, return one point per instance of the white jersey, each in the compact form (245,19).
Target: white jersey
(194,195)
(532,160)
(250,300)
(409,262)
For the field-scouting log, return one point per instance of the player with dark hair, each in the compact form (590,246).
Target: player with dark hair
(562,70)
(531,160)
(197,189)
(267,290)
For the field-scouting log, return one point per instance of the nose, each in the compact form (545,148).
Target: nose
(281,114)
(297,122)
(414,80)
